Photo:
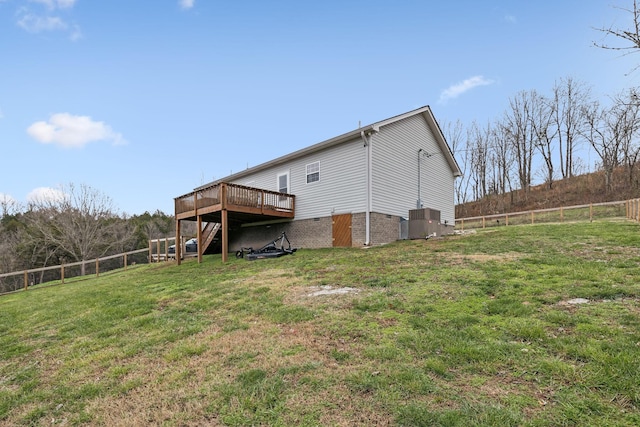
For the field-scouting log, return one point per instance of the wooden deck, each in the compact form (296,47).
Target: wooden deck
(253,202)
(226,203)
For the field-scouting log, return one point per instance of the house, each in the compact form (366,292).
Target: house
(352,190)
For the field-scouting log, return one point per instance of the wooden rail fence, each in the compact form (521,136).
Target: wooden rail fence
(158,250)
(629,209)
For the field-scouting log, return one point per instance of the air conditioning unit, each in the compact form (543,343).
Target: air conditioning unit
(423,223)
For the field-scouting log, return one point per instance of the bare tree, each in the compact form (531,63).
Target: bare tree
(541,117)
(454,134)
(503,156)
(608,130)
(81,225)
(10,226)
(629,111)
(8,206)
(568,99)
(629,37)
(521,135)
(478,144)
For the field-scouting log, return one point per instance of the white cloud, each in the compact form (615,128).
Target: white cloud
(52,4)
(69,131)
(46,194)
(35,24)
(40,20)
(511,19)
(458,89)
(187,4)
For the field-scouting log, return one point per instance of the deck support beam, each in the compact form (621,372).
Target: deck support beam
(225,235)
(200,246)
(178,243)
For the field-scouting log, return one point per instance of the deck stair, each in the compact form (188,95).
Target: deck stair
(209,234)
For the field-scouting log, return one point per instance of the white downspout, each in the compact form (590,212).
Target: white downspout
(419,201)
(368,160)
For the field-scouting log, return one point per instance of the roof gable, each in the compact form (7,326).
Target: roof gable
(349,136)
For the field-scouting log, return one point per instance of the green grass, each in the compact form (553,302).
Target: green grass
(461,331)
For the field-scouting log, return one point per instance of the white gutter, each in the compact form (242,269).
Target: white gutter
(369,163)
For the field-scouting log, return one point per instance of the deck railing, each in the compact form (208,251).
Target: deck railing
(233,197)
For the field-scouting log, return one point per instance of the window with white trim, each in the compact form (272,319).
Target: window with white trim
(313,172)
(283,182)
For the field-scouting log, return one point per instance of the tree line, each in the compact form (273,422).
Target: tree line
(541,136)
(547,131)
(79,224)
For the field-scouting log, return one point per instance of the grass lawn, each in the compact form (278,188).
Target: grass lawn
(513,326)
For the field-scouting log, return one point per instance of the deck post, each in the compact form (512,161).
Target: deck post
(200,247)
(225,223)
(225,235)
(178,243)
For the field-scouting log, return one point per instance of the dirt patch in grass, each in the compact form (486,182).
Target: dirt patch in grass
(339,296)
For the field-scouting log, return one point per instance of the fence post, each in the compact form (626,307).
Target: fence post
(531,217)
(97,267)
(590,211)
(626,205)
(26,280)
(166,249)
(462,224)
(561,214)
(506,219)
(125,261)
(62,273)
(482,222)
(150,251)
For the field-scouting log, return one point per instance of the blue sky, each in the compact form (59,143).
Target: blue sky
(145,100)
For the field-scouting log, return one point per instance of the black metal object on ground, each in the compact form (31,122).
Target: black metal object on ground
(274,249)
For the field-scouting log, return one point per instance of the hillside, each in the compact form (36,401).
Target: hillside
(578,190)
(514,326)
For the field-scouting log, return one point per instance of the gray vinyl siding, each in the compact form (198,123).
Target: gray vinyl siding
(341,188)
(395,170)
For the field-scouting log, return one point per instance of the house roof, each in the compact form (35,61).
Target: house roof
(374,127)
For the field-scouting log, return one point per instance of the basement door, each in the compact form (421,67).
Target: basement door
(341,230)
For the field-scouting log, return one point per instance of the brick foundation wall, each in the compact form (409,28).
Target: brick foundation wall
(384,228)
(317,233)
(306,233)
